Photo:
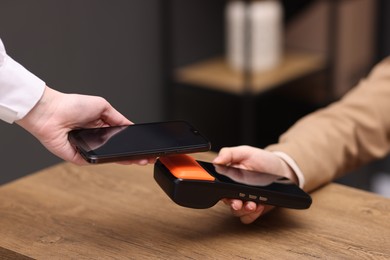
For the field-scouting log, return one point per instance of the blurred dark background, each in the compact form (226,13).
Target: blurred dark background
(128,52)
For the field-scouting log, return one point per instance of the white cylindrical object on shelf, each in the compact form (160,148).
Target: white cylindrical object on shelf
(234,24)
(266,34)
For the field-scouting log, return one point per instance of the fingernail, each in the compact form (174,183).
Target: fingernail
(249,207)
(234,206)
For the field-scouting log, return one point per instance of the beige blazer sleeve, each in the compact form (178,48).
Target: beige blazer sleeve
(347,134)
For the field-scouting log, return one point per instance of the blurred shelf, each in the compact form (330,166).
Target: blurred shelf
(217,75)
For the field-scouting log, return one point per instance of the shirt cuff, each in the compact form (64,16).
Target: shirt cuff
(20,90)
(294,167)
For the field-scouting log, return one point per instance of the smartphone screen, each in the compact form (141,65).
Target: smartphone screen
(117,143)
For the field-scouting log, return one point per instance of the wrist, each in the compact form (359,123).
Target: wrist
(32,121)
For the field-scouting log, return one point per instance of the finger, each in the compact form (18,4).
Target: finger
(225,156)
(250,206)
(232,155)
(251,217)
(240,208)
(226,202)
(130,162)
(236,206)
(75,158)
(112,117)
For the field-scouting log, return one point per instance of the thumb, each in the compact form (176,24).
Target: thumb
(224,156)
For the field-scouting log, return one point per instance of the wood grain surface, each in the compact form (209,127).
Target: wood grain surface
(113,211)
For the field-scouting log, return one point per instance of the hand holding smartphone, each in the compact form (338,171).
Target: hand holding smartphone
(120,143)
(198,184)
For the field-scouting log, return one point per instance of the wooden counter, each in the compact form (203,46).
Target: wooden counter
(119,212)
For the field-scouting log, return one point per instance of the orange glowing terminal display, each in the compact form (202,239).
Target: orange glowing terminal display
(186,167)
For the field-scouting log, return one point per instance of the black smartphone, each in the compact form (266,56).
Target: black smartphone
(119,143)
(198,184)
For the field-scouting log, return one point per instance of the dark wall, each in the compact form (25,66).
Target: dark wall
(106,48)
(196,30)
(383,29)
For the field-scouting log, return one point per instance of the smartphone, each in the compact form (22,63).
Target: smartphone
(119,143)
(199,184)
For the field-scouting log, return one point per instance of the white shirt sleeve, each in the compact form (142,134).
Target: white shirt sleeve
(20,90)
(294,166)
